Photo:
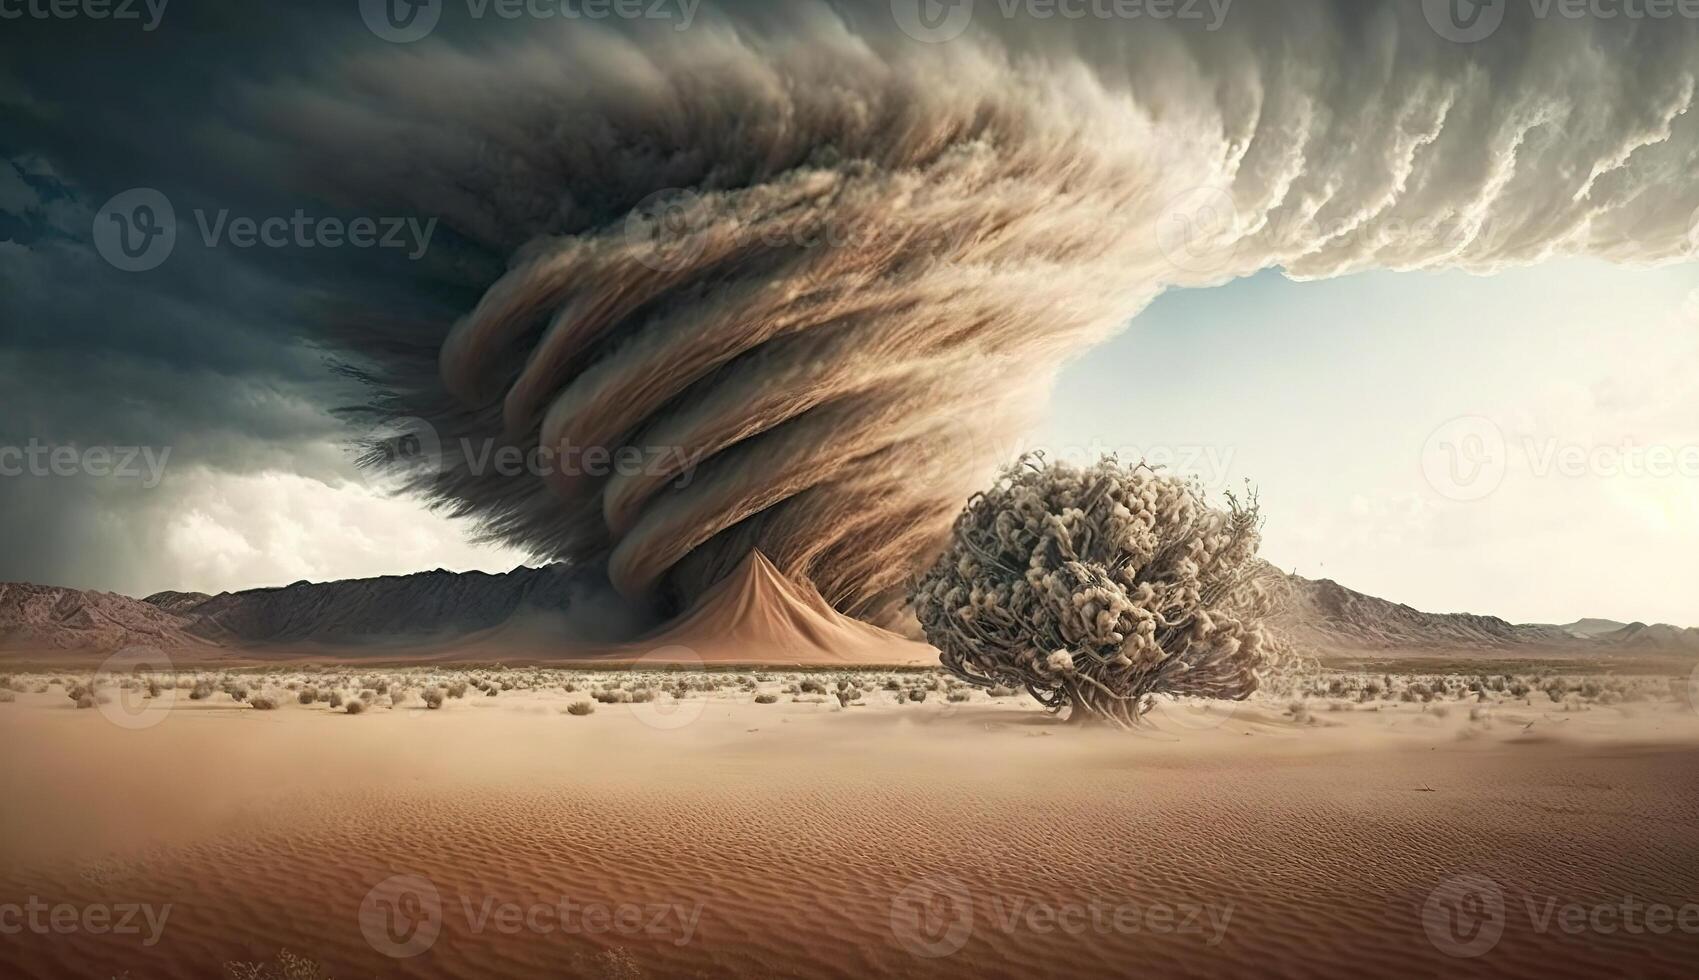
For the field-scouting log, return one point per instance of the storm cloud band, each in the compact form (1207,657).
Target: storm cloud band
(836,264)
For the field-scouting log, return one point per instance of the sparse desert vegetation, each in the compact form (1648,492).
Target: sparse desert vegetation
(286,966)
(1298,691)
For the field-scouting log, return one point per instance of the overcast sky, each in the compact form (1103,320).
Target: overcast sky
(1523,444)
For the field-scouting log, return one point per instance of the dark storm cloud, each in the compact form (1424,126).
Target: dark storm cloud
(216,355)
(1004,198)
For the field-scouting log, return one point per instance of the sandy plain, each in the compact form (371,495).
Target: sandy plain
(1304,833)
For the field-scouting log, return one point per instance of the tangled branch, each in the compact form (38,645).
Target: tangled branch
(1099,589)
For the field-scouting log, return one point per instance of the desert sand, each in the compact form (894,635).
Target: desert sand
(716,836)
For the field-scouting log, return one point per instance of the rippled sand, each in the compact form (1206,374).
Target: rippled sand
(804,839)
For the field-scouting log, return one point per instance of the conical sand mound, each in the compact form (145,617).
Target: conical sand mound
(758,616)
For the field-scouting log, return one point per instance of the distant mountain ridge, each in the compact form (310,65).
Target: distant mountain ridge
(1319,616)
(48,618)
(1325,617)
(388,608)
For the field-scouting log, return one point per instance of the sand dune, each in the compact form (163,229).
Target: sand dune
(798,839)
(757,615)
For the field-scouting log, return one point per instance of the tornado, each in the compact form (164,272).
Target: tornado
(819,273)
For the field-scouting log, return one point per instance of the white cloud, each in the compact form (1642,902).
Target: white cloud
(232,532)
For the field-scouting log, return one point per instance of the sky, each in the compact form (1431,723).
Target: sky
(1324,394)
(1521,443)
(1329,396)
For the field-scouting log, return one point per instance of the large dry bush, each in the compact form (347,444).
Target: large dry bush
(1098,588)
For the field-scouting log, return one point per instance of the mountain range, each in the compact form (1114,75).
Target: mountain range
(438,608)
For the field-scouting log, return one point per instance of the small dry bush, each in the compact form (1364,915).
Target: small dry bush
(287,966)
(580,708)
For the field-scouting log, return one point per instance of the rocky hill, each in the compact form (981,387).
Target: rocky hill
(1318,616)
(1323,617)
(45,618)
(392,608)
